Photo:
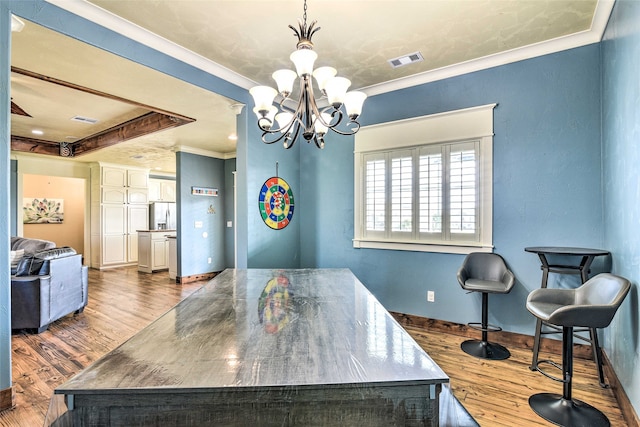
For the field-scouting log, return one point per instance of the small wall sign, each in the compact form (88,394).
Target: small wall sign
(204,191)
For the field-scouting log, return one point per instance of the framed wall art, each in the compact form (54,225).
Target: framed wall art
(42,211)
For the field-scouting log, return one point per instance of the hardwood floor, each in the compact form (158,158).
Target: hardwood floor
(123,301)
(496,393)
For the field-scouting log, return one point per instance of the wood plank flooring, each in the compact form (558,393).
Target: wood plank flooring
(123,301)
(496,393)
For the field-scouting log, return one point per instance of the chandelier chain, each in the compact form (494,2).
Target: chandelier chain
(304,15)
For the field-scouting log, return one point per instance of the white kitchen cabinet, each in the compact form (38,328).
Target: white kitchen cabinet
(113,176)
(154,190)
(153,250)
(114,249)
(160,254)
(137,178)
(168,191)
(137,196)
(117,195)
(119,208)
(162,190)
(114,229)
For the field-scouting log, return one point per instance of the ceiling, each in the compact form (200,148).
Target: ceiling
(245,41)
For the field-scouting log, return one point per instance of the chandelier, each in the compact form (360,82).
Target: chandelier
(313,121)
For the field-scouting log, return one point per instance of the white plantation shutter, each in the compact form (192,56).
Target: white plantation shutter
(463,191)
(430,190)
(425,184)
(375,195)
(402,192)
(424,194)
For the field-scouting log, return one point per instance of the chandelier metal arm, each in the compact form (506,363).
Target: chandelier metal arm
(351,132)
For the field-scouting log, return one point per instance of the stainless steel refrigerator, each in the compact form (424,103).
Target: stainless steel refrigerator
(162,216)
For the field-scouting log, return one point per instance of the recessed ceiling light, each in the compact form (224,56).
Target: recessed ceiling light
(233,137)
(37,132)
(406,59)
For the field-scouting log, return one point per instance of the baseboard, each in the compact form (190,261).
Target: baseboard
(111,267)
(511,339)
(582,351)
(7,398)
(629,414)
(196,277)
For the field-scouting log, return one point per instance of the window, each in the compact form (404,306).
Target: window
(425,184)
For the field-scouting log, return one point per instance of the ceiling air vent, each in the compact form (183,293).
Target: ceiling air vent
(84,120)
(406,59)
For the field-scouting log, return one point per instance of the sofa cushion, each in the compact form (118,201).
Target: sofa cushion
(16,256)
(38,263)
(30,245)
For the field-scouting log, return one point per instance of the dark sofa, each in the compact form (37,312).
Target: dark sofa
(47,284)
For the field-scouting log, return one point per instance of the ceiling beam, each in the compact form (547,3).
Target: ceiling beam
(15,109)
(36,146)
(85,89)
(144,125)
(154,121)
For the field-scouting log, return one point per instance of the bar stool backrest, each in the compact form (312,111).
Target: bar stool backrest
(594,303)
(606,292)
(485,266)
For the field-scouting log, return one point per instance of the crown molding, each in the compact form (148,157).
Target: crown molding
(130,30)
(16,24)
(115,23)
(205,153)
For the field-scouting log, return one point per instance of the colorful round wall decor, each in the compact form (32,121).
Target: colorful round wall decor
(276,203)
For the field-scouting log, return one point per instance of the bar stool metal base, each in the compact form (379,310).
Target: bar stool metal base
(485,350)
(560,411)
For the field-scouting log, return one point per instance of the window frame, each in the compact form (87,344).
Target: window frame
(460,126)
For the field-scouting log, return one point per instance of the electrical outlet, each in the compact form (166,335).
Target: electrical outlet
(431,296)
(209,260)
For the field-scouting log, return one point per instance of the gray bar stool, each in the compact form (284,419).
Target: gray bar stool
(486,273)
(591,305)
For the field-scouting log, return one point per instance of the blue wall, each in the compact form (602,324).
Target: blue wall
(229,203)
(546,185)
(13,197)
(621,182)
(5,271)
(268,248)
(194,248)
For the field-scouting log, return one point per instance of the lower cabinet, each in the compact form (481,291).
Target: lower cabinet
(153,250)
